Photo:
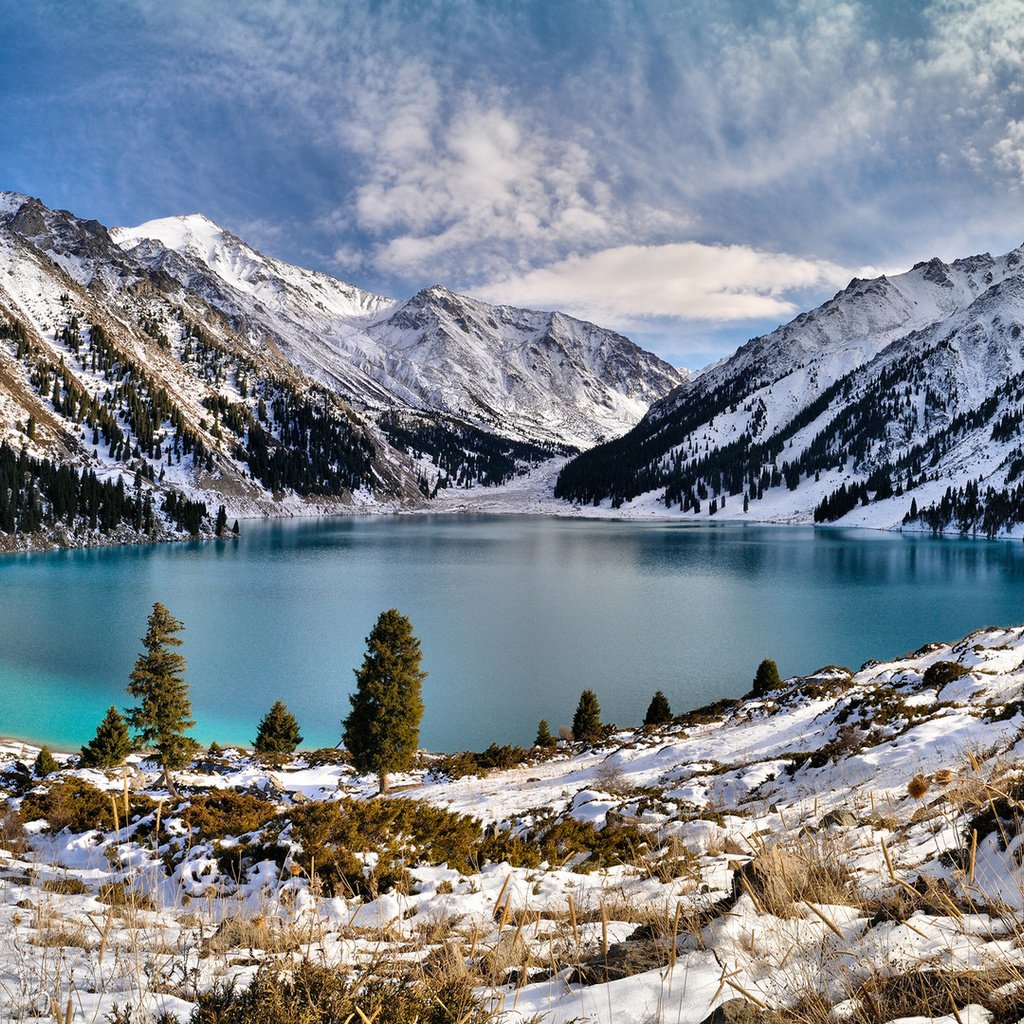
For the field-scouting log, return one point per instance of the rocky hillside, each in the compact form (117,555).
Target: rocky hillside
(148,377)
(898,402)
(846,846)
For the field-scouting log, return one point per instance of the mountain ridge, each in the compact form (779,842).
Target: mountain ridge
(858,412)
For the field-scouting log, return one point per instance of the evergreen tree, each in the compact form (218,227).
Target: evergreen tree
(158,680)
(222,521)
(45,764)
(111,744)
(382,730)
(278,731)
(544,737)
(766,679)
(586,722)
(658,711)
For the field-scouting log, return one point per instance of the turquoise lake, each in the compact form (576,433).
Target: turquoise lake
(516,616)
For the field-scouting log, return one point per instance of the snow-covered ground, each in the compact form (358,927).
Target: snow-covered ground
(850,841)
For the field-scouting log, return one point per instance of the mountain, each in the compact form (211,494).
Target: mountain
(149,375)
(537,377)
(897,402)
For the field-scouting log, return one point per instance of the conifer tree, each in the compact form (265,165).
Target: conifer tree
(766,679)
(222,521)
(382,730)
(158,681)
(658,711)
(544,737)
(278,731)
(586,722)
(45,764)
(111,744)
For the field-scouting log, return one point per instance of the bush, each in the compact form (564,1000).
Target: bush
(45,764)
(942,673)
(586,722)
(80,806)
(316,994)
(766,679)
(495,757)
(216,816)
(278,732)
(658,711)
(111,744)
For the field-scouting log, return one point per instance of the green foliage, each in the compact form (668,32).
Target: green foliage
(313,993)
(400,834)
(544,737)
(164,714)
(766,679)
(79,806)
(586,722)
(495,757)
(943,672)
(658,711)
(382,730)
(45,764)
(278,731)
(218,815)
(111,744)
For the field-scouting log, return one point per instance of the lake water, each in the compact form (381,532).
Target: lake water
(516,616)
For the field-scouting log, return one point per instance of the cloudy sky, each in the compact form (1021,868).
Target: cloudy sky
(690,172)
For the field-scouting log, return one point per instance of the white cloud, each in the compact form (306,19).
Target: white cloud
(687,280)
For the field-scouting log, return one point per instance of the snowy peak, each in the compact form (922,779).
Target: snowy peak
(899,402)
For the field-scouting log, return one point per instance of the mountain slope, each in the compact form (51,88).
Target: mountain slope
(537,377)
(173,375)
(864,411)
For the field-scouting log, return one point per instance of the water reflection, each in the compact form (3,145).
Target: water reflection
(516,615)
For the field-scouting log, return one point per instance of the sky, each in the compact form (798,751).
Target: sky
(691,173)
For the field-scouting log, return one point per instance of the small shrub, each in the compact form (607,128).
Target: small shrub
(586,722)
(278,734)
(80,806)
(317,994)
(66,886)
(942,673)
(766,678)
(45,764)
(12,833)
(658,711)
(217,815)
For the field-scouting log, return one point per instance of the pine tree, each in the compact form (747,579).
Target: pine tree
(658,711)
(767,678)
(544,737)
(382,730)
(278,732)
(45,764)
(586,722)
(158,680)
(111,744)
(222,521)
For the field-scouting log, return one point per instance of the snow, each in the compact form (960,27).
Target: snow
(764,791)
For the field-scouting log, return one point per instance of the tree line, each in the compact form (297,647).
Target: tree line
(380,732)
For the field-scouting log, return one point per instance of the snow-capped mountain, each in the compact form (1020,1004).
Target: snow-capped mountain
(864,411)
(178,357)
(538,377)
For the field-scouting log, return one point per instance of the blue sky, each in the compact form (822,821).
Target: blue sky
(692,173)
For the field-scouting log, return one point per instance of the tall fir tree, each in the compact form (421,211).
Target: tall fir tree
(586,722)
(278,732)
(111,744)
(658,711)
(544,737)
(766,679)
(158,681)
(382,730)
